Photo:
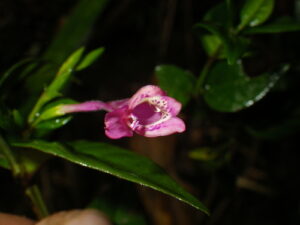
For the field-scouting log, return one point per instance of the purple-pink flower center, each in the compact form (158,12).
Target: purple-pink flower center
(146,114)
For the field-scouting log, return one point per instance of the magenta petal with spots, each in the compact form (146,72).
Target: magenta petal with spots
(149,112)
(115,124)
(143,93)
(171,126)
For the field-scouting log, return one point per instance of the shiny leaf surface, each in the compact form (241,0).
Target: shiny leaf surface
(255,12)
(229,89)
(118,162)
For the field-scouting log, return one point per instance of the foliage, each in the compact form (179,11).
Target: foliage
(230,83)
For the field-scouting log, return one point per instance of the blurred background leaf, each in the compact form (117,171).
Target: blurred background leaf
(255,12)
(178,83)
(229,89)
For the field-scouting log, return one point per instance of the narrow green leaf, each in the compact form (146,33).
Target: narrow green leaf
(178,83)
(118,162)
(281,25)
(90,58)
(71,36)
(255,12)
(229,89)
(12,69)
(3,162)
(53,90)
(71,62)
(50,120)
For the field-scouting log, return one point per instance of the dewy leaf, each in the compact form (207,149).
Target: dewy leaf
(281,25)
(65,71)
(90,58)
(255,12)
(61,78)
(118,162)
(229,89)
(177,82)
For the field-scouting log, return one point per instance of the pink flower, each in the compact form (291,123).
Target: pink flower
(149,112)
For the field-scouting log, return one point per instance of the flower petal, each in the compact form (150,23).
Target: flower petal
(115,124)
(88,106)
(118,103)
(145,92)
(173,125)
(166,103)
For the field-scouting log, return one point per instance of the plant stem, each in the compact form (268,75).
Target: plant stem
(38,204)
(14,165)
(203,74)
(32,192)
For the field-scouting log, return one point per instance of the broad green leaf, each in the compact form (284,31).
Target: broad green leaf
(281,25)
(229,89)
(255,12)
(177,82)
(71,36)
(118,162)
(237,49)
(90,58)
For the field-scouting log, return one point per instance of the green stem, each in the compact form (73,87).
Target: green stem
(18,171)
(39,207)
(204,72)
(8,154)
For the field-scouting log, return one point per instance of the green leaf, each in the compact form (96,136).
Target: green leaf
(283,24)
(71,36)
(255,12)
(212,44)
(50,120)
(178,83)
(12,70)
(234,47)
(118,162)
(53,90)
(90,58)
(3,162)
(229,89)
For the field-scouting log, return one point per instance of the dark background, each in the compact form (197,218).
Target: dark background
(256,180)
